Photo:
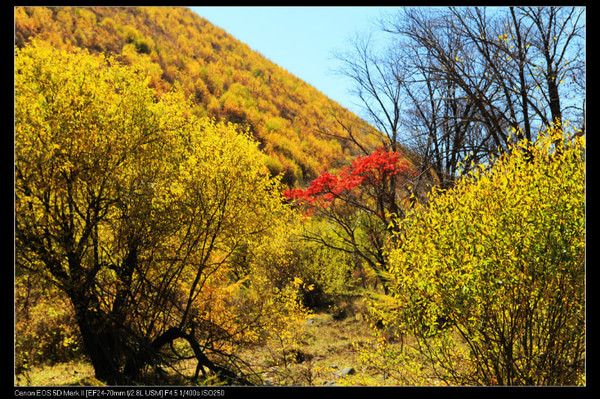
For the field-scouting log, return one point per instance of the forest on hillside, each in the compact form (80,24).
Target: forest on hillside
(189,213)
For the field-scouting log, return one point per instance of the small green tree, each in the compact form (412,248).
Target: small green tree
(489,277)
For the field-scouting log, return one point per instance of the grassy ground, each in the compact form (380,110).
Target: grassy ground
(320,359)
(327,351)
(72,373)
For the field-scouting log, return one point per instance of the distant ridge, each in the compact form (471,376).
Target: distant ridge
(294,122)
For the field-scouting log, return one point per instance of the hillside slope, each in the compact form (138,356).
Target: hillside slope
(294,122)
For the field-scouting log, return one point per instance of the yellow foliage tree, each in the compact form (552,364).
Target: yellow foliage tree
(132,206)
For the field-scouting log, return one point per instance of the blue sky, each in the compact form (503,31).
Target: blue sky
(300,39)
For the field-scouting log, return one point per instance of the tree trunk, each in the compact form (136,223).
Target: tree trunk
(554,100)
(100,341)
(137,361)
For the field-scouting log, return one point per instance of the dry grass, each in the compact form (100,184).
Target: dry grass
(71,373)
(328,348)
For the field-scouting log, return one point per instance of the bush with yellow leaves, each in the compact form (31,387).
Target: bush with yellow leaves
(287,256)
(45,332)
(489,277)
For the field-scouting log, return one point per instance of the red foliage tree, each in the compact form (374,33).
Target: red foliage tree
(363,200)
(370,170)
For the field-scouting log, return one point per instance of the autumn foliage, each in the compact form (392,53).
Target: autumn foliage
(360,202)
(223,77)
(162,236)
(489,278)
(132,207)
(369,170)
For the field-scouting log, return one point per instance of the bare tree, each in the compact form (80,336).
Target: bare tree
(453,84)
(558,66)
